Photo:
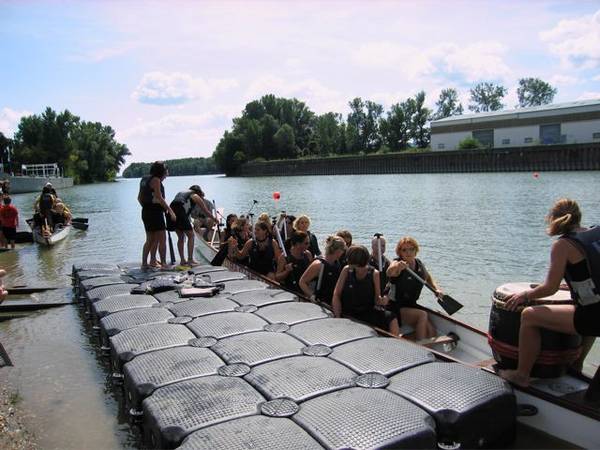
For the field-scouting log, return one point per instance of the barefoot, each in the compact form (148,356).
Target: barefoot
(155,264)
(514,377)
(192,263)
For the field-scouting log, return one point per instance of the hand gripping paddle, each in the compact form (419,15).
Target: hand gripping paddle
(448,303)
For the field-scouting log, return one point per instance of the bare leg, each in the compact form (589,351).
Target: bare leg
(190,247)
(555,317)
(394,328)
(180,239)
(416,318)
(431,331)
(153,247)
(146,249)
(162,246)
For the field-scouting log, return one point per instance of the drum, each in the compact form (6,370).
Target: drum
(558,350)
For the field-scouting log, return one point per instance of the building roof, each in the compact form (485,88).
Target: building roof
(555,108)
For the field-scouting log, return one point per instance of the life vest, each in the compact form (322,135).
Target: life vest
(262,261)
(147,194)
(358,296)
(185,199)
(587,291)
(406,289)
(46,202)
(299,267)
(327,279)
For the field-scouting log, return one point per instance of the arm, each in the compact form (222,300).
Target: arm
(198,201)
(558,263)
(379,300)
(309,275)
(283,269)
(337,293)
(245,250)
(395,268)
(155,185)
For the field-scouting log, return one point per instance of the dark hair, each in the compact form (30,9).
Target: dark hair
(357,255)
(297,237)
(46,190)
(7,200)
(263,226)
(346,236)
(197,189)
(158,169)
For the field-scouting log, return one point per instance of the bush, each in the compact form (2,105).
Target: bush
(468,143)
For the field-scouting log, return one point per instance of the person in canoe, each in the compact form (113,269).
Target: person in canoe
(376,244)
(186,204)
(61,214)
(576,258)
(319,280)
(262,251)
(152,199)
(240,231)
(357,293)
(405,289)
(347,237)
(291,267)
(43,209)
(302,223)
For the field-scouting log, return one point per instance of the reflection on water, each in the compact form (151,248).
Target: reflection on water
(476,231)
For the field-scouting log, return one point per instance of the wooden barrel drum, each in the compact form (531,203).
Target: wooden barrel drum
(558,350)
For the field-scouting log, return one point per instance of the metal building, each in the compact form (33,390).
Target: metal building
(561,123)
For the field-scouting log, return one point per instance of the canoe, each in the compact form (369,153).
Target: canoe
(555,406)
(60,232)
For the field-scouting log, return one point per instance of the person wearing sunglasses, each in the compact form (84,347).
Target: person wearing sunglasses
(405,289)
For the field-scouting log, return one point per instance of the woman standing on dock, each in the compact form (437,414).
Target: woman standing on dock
(575,256)
(154,206)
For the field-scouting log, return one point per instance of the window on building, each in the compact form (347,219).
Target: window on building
(505,141)
(441,146)
(528,140)
(550,134)
(596,135)
(485,137)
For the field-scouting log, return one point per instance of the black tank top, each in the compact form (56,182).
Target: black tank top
(261,260)
(299,267)
(331,273)
(358,296)
(408,288)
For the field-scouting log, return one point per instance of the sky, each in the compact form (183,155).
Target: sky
(170,76)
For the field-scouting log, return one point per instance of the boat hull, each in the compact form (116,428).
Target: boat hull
(60,232)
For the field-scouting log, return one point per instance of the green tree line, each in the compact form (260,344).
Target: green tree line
(183,166)
(86,151)
(279,128)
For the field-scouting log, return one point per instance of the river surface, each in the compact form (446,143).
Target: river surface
(476,232)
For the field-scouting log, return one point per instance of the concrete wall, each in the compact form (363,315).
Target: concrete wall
(578,132)
(19,185)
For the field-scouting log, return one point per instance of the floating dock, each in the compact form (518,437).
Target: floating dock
(254,367)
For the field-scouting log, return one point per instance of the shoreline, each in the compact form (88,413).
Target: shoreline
(14,433)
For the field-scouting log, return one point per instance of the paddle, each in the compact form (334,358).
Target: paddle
(16,290)
(80,219)
(23,237)
(80,225)
(448,303)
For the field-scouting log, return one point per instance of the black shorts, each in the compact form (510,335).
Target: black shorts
(10,233)
(153,218)
(587,320)
(380,318)
(182,220)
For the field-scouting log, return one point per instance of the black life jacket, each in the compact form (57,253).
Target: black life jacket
(46,202)
(406,289)
(358,296)
(328,276)
(147,196)
(587,291)
(299,267)
(262,260)
(184,198)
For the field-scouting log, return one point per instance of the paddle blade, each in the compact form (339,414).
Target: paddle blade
(80,219)
(449,304)
(80,225)
(220,256)
(23,236)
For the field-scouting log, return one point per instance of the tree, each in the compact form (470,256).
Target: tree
(395,128)
(363,122)
(448,104)
(5,146)
(328,134)
(285,142)
(419,120)
(534,92)
(487,97)
(269,126)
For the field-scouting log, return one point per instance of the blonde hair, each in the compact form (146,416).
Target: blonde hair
(407,240)
(333,244)
(300,218)
(564,217)
(264,217)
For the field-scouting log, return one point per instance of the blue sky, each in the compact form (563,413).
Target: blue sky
(169,76)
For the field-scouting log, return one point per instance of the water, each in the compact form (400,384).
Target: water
(476,232)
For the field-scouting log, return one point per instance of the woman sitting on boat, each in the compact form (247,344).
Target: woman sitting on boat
(229,221)
(291,267)
(302,223)
(377,244)
(264,218)
(357,293)
(347,237)
(240,232)
(261,251)
(406,289)
(324,272)
(184,205)
(576,258)
(154,206)
(61,214)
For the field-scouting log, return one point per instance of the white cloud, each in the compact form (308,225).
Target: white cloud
(475,62)
(589,96)
(576,41)
(9,120)
(563,80)
(409,60)
(316,95)
(596,78)
(174,88)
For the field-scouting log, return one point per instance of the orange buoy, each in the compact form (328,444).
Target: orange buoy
(276,195)
(536,175)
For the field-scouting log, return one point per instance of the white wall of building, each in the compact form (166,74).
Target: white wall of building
(448,141)
(580,132)
(517,136)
